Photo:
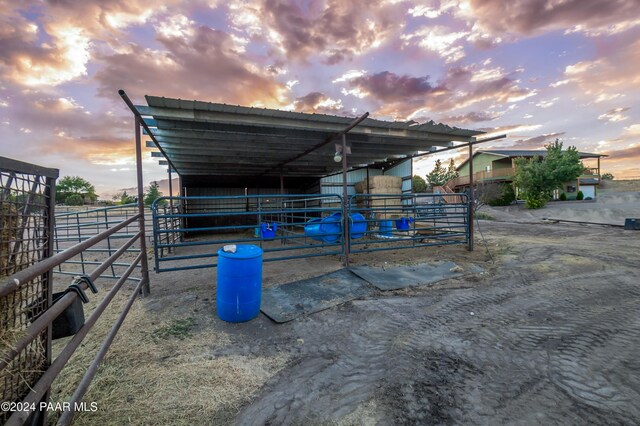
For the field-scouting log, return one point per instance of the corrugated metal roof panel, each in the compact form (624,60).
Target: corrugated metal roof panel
(208,138)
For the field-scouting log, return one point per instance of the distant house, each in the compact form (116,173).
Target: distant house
(498,166)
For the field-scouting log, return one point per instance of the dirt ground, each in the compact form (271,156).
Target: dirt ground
(549,334)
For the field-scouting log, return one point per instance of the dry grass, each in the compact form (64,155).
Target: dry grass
(161,369)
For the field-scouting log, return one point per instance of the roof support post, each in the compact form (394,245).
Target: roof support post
(170,190)
(472,203)
(345,202)
(143,243)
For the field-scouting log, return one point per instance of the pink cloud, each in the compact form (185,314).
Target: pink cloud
(536,16)
(201,64)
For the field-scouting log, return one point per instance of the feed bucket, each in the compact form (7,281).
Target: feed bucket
(268,230)
(239,283)
(404,223)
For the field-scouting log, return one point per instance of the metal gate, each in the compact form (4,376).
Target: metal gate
(188,231)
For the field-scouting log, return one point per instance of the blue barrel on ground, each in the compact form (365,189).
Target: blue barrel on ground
(239,283)
(386,228)
(358,226)
(331,228)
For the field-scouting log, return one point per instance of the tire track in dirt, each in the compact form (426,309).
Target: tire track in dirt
(552,351)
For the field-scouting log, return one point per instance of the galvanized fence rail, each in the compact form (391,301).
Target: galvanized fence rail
(28,309)
(300,226)
(391,221)
(276,223)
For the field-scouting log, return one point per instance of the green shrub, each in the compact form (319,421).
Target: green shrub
(563,197)
(535,200)
(508,196)
(580,196)
(74,200)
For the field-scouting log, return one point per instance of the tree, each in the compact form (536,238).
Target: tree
(125,198)
(607,176)
(494,194)
(74,185)
(418,184)
(538,178)
(74,200)
(439,176)
(153,194)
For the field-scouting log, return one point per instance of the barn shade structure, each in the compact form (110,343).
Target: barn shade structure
(228,146)
(209,139)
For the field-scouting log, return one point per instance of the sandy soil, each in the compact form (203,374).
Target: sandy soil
(548,334)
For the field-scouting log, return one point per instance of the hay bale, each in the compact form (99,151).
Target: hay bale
(380,182)
(23,371)
(10,220)
(386,190)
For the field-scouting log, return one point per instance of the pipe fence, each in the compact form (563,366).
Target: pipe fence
(31,314)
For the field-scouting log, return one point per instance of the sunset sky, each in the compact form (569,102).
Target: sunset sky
(534,69)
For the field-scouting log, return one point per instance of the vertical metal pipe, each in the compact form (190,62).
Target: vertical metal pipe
(472,204)
(143,238)
(281,185)
(345,201)
(50,197)
(170,191)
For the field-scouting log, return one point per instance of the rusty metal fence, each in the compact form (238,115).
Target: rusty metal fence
(26,206)
(30,312)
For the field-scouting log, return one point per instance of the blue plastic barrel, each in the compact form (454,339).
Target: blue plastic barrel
(331,225)
(358,225)
(239,283)
(386,228)
(312,229)
(404,223)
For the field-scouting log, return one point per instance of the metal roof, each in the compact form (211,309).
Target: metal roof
(204,138)
(530,153)
(508,153)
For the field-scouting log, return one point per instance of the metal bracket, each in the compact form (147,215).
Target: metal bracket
(79,291)
(338,148)
(86,279)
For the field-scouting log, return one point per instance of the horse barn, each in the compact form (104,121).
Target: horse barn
(288,181)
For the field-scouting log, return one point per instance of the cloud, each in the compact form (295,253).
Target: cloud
(536,142)
(334,29)
(609,76)
(403,96)
(631,153)
(615,114)
(197,62)
(529,17)
(440,40)
(317,102)
(25,60)
(57,46)
(509,130)
(470,117)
